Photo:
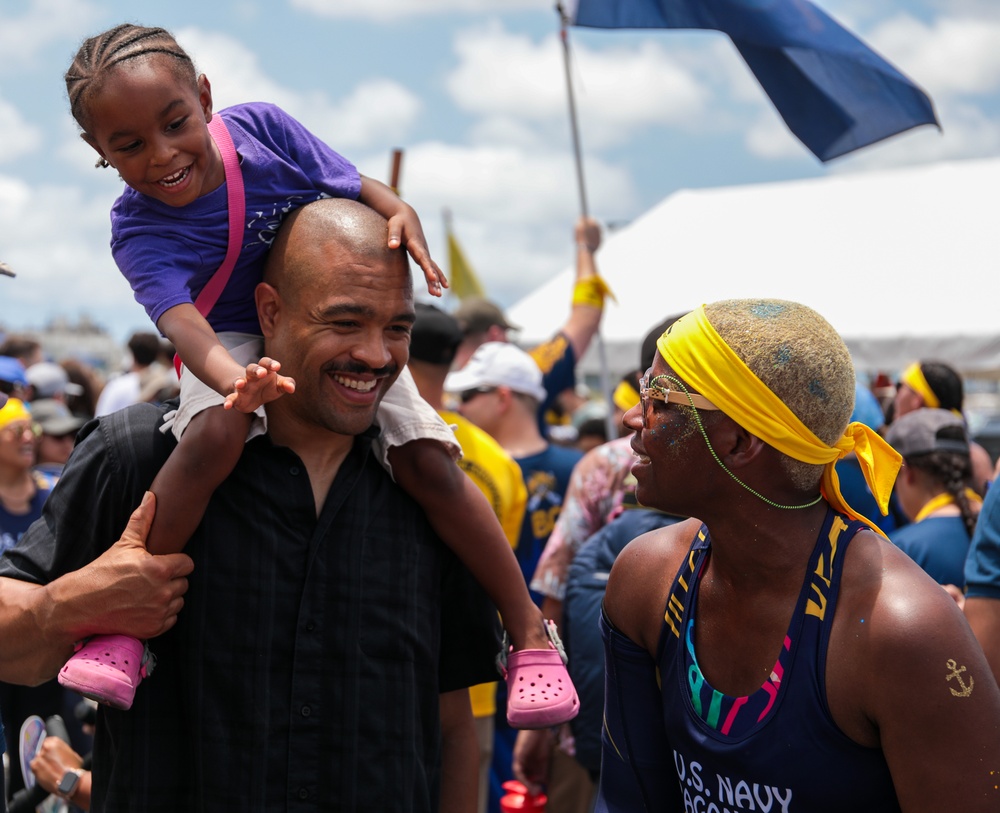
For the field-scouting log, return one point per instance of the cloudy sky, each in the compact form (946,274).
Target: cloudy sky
(474,92)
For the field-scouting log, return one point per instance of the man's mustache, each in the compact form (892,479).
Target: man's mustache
(362,369)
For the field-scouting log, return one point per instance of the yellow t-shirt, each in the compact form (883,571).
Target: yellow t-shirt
(499,477)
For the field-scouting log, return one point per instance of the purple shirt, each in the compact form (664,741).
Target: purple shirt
(169,253)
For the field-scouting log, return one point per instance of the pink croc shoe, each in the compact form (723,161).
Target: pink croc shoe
(540,693)
(107,668)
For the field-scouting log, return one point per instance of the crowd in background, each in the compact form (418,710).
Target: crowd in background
(573,517)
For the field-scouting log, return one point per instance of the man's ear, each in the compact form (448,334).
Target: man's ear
(268,306)
(505,398)
(908,474)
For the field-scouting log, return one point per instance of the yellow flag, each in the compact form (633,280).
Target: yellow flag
(462,280)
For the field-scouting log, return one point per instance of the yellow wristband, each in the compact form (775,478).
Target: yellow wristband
(591,291)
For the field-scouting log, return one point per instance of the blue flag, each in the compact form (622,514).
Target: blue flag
(833,91)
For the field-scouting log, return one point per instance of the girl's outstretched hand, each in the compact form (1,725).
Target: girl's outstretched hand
(261,385)
(405,230)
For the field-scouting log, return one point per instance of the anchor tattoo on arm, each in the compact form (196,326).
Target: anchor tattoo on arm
(956,674)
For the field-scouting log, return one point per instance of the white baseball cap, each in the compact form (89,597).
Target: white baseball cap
(499,364)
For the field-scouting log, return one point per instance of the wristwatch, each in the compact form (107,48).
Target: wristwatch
(68,783)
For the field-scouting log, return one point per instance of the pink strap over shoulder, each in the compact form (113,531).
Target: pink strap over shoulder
(237,209)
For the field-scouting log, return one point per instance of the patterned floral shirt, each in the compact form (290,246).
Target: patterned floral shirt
(600,483)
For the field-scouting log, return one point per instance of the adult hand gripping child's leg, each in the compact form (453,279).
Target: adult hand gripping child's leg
(109,668)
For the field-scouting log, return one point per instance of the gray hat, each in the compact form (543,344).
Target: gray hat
(924,431)
(54,418)
(477,315)
(50,380)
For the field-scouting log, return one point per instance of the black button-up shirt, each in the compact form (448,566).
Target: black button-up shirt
(303,672)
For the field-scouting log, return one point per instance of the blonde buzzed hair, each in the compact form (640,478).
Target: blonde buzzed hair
(801,359)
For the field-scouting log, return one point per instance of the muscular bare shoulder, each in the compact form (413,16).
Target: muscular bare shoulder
(904,673)
(640,581)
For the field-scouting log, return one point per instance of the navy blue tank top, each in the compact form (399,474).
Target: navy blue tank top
(777,749)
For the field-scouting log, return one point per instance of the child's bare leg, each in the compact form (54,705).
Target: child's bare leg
(462,517)
(207,453)
(108,668)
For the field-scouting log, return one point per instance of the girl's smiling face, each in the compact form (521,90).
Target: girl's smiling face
(151,125)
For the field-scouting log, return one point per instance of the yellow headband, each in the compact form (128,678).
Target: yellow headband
(699,355)
(913,377)
(13,410)
(625,396)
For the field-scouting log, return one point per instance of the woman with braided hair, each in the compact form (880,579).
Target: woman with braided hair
(933,491)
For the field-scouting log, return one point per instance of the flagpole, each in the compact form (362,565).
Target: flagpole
(574,128)
(610,429)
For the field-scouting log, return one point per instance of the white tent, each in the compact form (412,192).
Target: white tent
(903,263)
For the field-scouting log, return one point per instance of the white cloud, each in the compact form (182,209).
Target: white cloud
(376,109)
(61,254)
(978,8)
(502,75)
(954,55)
(389,10)
(44,22)
(769,137)
(17,135)
(513,208)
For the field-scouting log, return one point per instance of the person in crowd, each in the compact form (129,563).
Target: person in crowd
(90,384)
(625,396)
(23,492)
(146,111)
(125,389)
(590,432)
(160,383)
(306,665)
(433,341)
(13,381)
(60,770)
(499,390)
(779,640)
(982,580)
(936,385)
(484,321)
(57,428)
(50,380)
(24,348)
(934,492)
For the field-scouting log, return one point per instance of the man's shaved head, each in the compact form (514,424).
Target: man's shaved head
(294,259)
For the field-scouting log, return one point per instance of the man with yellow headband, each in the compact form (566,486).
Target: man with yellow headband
(778,653)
